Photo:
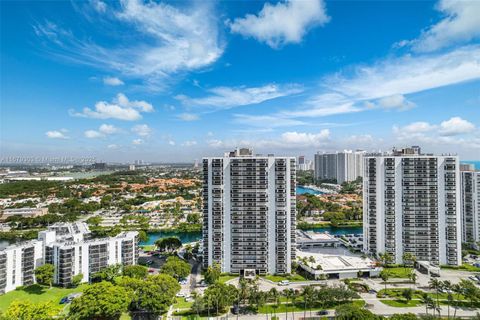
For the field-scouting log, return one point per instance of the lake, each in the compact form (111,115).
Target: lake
(304,190)
(187,237)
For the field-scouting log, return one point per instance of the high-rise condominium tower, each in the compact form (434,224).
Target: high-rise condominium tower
(470,199)
(340,166)
(249,212)
(411,204)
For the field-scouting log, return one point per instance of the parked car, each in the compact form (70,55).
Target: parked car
(284,283)
(181,295)
(322,312)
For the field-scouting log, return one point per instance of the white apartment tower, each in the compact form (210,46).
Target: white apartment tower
(325,166)
(340,166)
(411,203)
(249,212)
(470,205)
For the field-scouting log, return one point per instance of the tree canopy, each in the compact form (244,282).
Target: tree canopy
(44,274)
(26,310)
(100,301)
(176,268)
(168,244)
(135,271)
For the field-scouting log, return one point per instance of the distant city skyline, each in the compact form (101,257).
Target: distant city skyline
(128,80)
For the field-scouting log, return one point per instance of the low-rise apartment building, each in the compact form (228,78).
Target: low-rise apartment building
(23,212)
(18,263)
(70,249)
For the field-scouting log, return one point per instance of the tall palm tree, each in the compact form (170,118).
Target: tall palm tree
(273,294)
(288,294)
(456,288)
(307,294)
(424,299)
(435,284)
(447,285)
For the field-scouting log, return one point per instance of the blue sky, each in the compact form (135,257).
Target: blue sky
(175,81)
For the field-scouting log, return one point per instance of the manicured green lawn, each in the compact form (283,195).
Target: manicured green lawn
(182,304)
(401,303)
(397,293)
(278,278)
(465,266)
(225,278)
(270,308)
(398,272)
(37,293)
(147,248)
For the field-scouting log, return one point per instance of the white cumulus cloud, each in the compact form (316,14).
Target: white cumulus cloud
(92,134)
(282,23)
(456,126)
(108,129)
(112,81)
(120,108)
(461,23)
(142,130)
(56,134)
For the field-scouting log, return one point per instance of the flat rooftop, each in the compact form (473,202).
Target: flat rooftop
(318,236)
(334,263)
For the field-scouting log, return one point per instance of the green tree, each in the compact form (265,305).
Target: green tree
(44,274)
(220,295)
(142,236)
(135,271)
(154,295)
(212,274)
(100,301)
(385,276)
(413,277)
(288,294)
(176,268)
(77,279)
(94,221)
(407,294)
(470,291)
(436,285)
(26,310)
(403,316)
(352,312)
(168,244)
(108,273)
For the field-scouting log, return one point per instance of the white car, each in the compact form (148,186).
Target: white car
(181,295)
(284,283)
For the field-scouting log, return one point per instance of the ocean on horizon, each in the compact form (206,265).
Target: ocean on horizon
(476,163)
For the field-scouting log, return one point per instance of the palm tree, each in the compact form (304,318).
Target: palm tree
(407,294)
(447,285)
(425,299)
(384,275)
(288,294)
(428,302)
(456,288)
(435,284)
(273,294)
(307,293)
(413,276)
